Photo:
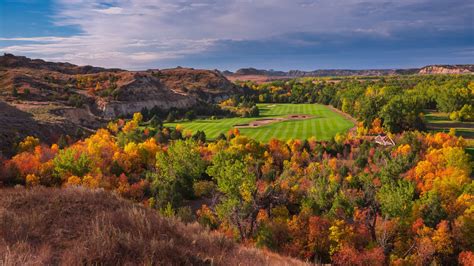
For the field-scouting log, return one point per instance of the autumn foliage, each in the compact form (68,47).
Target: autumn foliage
(347,201)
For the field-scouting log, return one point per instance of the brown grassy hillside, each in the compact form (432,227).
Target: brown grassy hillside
(38,80)
(67,98)
(77,226)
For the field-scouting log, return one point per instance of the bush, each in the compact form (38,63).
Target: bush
(200,136)
(175,135)
(185,214)
(190,115)
(76,100)
(204,188)
(454,116)
(466,113)
(155,122)
(254,111)
(171,117)
(221,137)
(71,162)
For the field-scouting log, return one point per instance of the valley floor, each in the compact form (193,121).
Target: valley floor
(323,123)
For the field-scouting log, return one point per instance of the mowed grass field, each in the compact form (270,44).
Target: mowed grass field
(324,123)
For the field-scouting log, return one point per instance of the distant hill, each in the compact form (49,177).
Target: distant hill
(109,88)
(434,69)
(253,71)
(12,61)
(75,226)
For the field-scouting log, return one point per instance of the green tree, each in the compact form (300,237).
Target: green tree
(62,142)
(321,195)
(155,122)
(402,113)
(370,108)
(176,171)
(190,115)
(254,111)
(171,117)
(431,208)
(176,135)
(396,198)
(465,114)
(237,183)
(451,98)
(145,113)
(200,136)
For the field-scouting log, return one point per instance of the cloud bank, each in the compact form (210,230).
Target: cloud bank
(140,34)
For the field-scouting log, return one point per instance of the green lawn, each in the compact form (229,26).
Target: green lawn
(323,125)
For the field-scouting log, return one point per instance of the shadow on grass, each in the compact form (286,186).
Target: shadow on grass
(465,133)
(451,124)
(470,151)
(431,118)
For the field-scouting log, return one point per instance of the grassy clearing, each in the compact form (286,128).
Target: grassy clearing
(440,122)
(324,123)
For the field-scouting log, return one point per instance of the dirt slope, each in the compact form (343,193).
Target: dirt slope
(78,226)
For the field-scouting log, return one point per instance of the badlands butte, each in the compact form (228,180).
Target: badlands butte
(47,99)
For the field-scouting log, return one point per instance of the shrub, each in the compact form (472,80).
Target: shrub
(71,162)
(185,214)
(204,188)
(171,117)
(254,111)
(190,115)
(76,100)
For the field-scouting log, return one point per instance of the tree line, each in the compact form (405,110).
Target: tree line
(399,101)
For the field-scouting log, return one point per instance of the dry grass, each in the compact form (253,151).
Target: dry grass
(77,226)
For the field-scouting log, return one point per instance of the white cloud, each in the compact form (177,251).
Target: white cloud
(110,10)
(136,33)
(35,39)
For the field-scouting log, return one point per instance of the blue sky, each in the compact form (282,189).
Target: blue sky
(230,34)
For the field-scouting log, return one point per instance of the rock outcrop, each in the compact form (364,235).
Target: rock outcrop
(168,88)
(447,69)
(113,92)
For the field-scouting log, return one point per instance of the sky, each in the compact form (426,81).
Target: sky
(232,34)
